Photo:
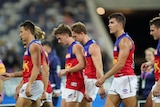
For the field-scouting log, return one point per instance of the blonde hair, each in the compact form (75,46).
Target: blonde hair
(150,49)
(39,33)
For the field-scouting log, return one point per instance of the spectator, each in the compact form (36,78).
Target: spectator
(147,76)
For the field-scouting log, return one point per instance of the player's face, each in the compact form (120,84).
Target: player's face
(155,32)
(113,25)
(76,36)
(62,38)
(23,35)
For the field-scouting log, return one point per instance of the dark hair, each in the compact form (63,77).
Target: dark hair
(29,25)
(46,43)
(155,21)
(78,28)
(119,17)
(62,29)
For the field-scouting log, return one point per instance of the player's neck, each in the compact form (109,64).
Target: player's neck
(119,33)
(85,39)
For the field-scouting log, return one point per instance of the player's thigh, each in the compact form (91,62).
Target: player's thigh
(48,104)
(36,103)
(23,102)
(112,100)
(149,100)
(63,102)
(130,101)
(84,103)
(72,104)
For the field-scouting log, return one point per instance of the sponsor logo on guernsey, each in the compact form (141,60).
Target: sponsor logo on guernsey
(74,84)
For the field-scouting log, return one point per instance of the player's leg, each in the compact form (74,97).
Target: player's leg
(84,103)
(130,101)
(63,103)
(48,101)
(36,103)
(23,102)
(149,100)
(112,100)
(72,104)
(48,104)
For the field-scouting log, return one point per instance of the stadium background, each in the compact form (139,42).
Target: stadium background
(49,13)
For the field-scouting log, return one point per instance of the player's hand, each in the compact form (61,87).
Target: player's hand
(102,92)
(100,82)
(16,95)
(62,72)
(87,97)
(5,76)
(28,90)
(43,96)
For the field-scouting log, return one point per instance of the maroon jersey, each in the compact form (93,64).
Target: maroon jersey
(90,70)
(74,80)
(128,68)
(28,65)
(157,63)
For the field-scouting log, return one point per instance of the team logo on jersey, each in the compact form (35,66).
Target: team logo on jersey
(25,66)
(156,66)
(115,60)
(68,65)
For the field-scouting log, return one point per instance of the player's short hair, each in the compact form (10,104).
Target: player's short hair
(62,29)
(119,17)
(28,25)
(155,21)
(79,27)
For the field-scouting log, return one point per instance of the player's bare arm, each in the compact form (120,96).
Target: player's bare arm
(36,60)
(124,46)
(79,53)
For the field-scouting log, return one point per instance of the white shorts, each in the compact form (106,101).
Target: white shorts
(36,90)
(124,86)
(90,87)
(48,98)
(71,95)
(63,85)
(155,99)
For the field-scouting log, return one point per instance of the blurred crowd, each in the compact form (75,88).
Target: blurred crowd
(47,14)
